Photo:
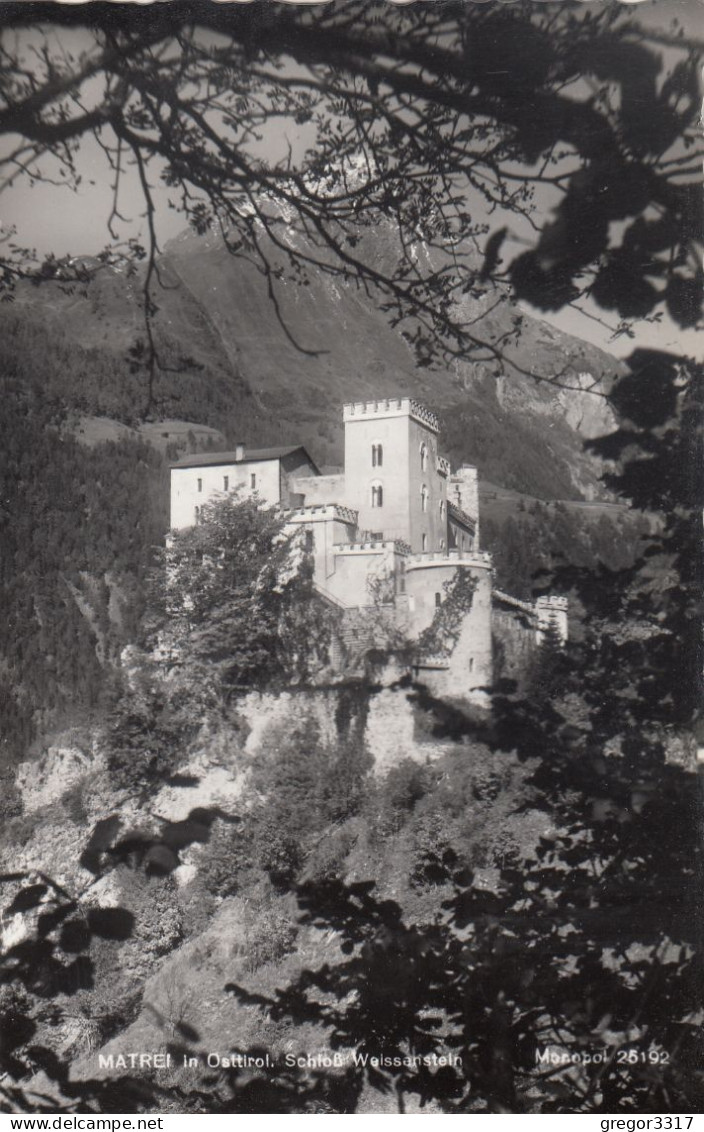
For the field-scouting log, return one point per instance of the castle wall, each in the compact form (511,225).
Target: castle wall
(431,521)
(425,589)
(383,718)
(319,489)
(327,526)
(296,469)
(467,667)
(363,573)
(192,487)
(514,642)
(463,490)
(461,534)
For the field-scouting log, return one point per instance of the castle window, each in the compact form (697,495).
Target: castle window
(438,600)
(442,507)
(423,498)
(252,481)
(200,485)
(377,495)
(225,483)
(424,542)
(377,455)
(442,544)
(310,540)
(423,456)
(471,664)
(197,514)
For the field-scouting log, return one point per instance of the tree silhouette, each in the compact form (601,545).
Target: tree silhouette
(432,116)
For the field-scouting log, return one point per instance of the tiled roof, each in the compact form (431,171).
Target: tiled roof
(251,456)
(461,516)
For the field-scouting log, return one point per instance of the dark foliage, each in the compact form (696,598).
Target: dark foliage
(78,528)
(436,105)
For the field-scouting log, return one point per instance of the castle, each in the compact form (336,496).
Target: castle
(393,530)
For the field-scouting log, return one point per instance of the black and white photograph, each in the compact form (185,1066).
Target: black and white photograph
(351,560)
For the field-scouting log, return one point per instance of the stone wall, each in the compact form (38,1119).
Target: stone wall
(515,643)
(382,716)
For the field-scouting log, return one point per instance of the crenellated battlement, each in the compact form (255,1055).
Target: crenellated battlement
(391,407)
(479,559)
(551,601)
(514,602)
(432,660)
(373,546)
(321,512)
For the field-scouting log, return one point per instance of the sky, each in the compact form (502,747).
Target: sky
(64,221)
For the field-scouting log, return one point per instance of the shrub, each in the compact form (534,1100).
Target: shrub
(433,851)
(395,797)
(278,853)
(270,934)
(225,859)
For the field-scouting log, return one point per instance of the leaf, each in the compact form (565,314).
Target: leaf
(187,1032)
(75,936)
(491,252)
(28,898)
(111,923)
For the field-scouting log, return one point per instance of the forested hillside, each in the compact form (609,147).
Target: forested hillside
(527,536)
(79,526)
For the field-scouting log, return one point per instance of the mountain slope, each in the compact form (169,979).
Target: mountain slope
(278,370)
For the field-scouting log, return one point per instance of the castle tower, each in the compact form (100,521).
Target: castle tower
(394,476)
(551,612)
(463,498)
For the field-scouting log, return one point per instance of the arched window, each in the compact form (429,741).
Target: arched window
(197,514)
(442,508)
(377,455)
(225,483)
(423,456)
(200,485)
(442,544)
(423,498)
(424,542)
(471,664)
(377,495)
